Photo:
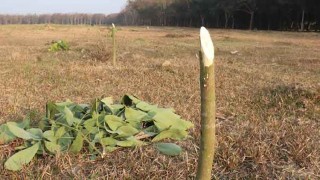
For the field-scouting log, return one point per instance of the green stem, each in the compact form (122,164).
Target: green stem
(84,137)
(114,45)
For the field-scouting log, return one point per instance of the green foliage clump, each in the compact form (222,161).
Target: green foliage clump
(59,46)
(100,128)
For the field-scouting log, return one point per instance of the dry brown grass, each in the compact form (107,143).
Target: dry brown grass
(268,98)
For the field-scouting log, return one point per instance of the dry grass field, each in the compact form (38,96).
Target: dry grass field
(268,97)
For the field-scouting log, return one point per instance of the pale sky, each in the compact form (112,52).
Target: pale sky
(60,6)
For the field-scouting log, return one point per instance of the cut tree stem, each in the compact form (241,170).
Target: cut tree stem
(113,31)
(208,106)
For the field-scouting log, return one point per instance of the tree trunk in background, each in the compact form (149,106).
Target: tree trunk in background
(202,20)
(232,22)
(302,21)
(251,20)
(226,16)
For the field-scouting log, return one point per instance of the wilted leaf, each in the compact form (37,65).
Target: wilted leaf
(77,144)
(36,132)
(165,119)
(116,108)
(60,132)
(171,133)
(169,149)
(65,141)
(16,162)
(68,115)
(49,135)
(5,135)
(145,106)
(130,142)
(90,124)
(108,141)
(126,131)
(134,117)
(114,122)
(21,133)
(52,147)
(111,148)
(134,114)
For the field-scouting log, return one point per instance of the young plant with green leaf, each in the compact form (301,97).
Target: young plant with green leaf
(59,46)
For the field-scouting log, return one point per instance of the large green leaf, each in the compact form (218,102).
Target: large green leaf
(77,144)
(68,115)
(135,117)
(21,133)
(52,147)
(90,124)
(108,141)
(171,133)
(117,108)
(165,119)
(130,142)
(65,141)
(49,135)
(111,148)
(131,113)
(5,134)
(114,122)
(169,149)
(126,131)
(145,106)
(16,162)
(36,132)
(60,132)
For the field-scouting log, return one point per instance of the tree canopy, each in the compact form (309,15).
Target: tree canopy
(241,14)
(303,15)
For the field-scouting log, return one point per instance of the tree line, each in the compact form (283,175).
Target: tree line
(241,14)
(302,15)
(57,18)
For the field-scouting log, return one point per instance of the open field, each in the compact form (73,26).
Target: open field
(268,97)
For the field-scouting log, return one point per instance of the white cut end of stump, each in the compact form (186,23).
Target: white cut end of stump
(207,48)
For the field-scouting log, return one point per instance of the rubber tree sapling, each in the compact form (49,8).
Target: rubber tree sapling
(114,51)
(208,106)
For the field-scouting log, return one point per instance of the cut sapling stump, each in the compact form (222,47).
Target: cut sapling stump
(208,106)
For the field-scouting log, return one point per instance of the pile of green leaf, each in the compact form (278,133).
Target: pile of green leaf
(100,128)
(58,46)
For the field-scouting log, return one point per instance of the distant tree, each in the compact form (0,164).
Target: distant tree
(229,7)
(250,7)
